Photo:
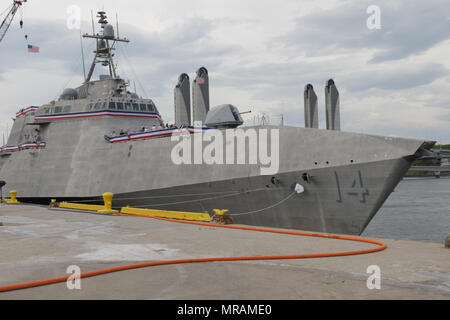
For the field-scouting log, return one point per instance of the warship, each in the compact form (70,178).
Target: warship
(101,137)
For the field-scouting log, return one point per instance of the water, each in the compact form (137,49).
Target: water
(418,209)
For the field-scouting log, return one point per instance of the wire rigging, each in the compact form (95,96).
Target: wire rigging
(72,71)
(124,53)
(217,195)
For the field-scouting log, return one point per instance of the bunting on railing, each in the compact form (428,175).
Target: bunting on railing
(25,111)
(110,113)
(23,146)
(158,133)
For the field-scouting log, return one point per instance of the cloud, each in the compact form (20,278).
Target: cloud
(154,57)
(400,78)
(407,28)
(58,47)
(392,81)
(158,58)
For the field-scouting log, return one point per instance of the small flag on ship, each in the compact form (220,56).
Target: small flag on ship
(200,80)
(33,48)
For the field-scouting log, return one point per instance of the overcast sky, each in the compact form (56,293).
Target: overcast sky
(259,53)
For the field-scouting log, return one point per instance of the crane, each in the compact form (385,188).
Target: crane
(9,17)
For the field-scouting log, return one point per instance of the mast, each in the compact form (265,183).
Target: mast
(103,53)
(82,57)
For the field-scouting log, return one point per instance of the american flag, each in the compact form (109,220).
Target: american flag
(200,80)
(33,48)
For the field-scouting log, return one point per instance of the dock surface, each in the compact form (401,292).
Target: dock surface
(38,243)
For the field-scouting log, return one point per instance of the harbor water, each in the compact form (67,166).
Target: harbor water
(418,209)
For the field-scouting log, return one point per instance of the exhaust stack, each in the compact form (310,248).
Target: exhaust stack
(182,95)
(200,95)
(310,99)
(332,106)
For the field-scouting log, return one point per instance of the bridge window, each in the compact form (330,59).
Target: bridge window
(98,106)
(151,108)
(127,106)
(58,109)
(89,106)
(120,105)
(112,105)
(135,107)
(143,107)
(66,109)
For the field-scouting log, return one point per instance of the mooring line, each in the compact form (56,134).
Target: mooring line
(381,246)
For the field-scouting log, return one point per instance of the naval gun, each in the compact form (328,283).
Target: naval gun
(224,116)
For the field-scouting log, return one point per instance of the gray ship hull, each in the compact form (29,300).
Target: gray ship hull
(346,177)
(257,201)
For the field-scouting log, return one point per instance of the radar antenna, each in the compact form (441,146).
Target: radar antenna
(104,54)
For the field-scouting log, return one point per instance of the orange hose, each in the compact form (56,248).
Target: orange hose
(381,246)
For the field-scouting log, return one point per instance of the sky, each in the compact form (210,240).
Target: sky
(393,80)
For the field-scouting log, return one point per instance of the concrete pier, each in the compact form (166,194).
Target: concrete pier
(38,243)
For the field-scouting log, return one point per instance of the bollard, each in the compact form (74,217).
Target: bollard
(2,184)
(447,242)
(107,198)
(53,203)
(13,199)
(220,212)
(220,217)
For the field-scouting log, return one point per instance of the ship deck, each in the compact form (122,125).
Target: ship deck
(38,243)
